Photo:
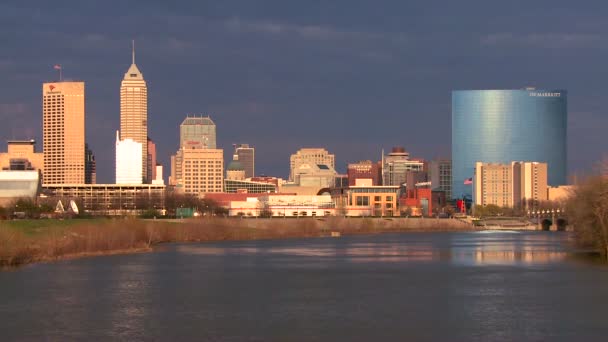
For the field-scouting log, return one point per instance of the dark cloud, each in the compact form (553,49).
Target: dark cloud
(351,76)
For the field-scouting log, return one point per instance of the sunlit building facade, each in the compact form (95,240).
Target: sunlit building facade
(134,112)
(500,126)
(63,132)
(311,156)
(128,161)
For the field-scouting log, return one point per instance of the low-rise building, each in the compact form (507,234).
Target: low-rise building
(365,199)
(111,199)
(22,155)
(16,184)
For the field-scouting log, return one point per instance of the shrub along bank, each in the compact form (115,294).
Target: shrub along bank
(24,242)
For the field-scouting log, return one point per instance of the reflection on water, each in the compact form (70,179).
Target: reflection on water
(505,286)
(479,248)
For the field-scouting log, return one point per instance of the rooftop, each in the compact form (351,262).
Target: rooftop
(195,120)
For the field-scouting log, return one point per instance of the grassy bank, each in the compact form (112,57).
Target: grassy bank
(23,242)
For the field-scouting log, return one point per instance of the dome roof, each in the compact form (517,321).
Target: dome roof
(235,165)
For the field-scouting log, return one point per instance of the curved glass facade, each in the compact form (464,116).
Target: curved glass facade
(500,126)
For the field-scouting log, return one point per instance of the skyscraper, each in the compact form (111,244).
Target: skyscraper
(396,165)
(90,166)
(246,156)
(197,167)
(151,161)
(197,132)
(500,126)
(63,132)
(134,111)
(440,174)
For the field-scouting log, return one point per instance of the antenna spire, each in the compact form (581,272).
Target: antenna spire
(133,51)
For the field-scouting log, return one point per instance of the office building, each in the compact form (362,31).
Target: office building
(90,166)
(202,171)
(21,155)
(246,155)
(395,166)
(197,167)
(440,176)
(499,126)
(128,161)
(134,112)
(515,184)
(63,132)
(311,156)
(151,162)
(197,132)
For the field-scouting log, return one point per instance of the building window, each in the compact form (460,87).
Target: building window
(362,200)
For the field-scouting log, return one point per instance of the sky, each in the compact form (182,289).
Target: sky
(352,76)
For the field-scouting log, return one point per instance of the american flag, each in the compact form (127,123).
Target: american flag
(468,181)
(57,66)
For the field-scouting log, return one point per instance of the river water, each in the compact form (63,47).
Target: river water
(518,286)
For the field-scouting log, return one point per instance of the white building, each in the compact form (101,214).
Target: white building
(128,161)
(280,205)
(18,184)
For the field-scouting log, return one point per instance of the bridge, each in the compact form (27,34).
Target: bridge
(548,219)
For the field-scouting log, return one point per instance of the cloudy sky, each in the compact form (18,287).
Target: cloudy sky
(351,76)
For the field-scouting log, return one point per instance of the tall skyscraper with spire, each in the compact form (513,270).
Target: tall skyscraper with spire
(134,110)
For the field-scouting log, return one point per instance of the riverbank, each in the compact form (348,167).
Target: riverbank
(23,242)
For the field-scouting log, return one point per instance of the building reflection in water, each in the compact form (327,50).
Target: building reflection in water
(500,248)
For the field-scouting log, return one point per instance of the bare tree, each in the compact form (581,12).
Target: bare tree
(587,211)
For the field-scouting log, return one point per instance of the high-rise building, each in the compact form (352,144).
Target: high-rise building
(63,132)
(246,155)
(514,184)
(197,132)
(151,161)
(203,171)
(312,156)
(440,174)
(134,111)
(499,126)
(90,166)
(530,183)
(197,167)
(396,165)
(493,184)
(128,161)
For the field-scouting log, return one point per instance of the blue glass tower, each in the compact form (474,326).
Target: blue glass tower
(500,126)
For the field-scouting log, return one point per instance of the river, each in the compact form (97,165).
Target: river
(477,286)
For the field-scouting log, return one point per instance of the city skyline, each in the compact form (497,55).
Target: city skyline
(382,102)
